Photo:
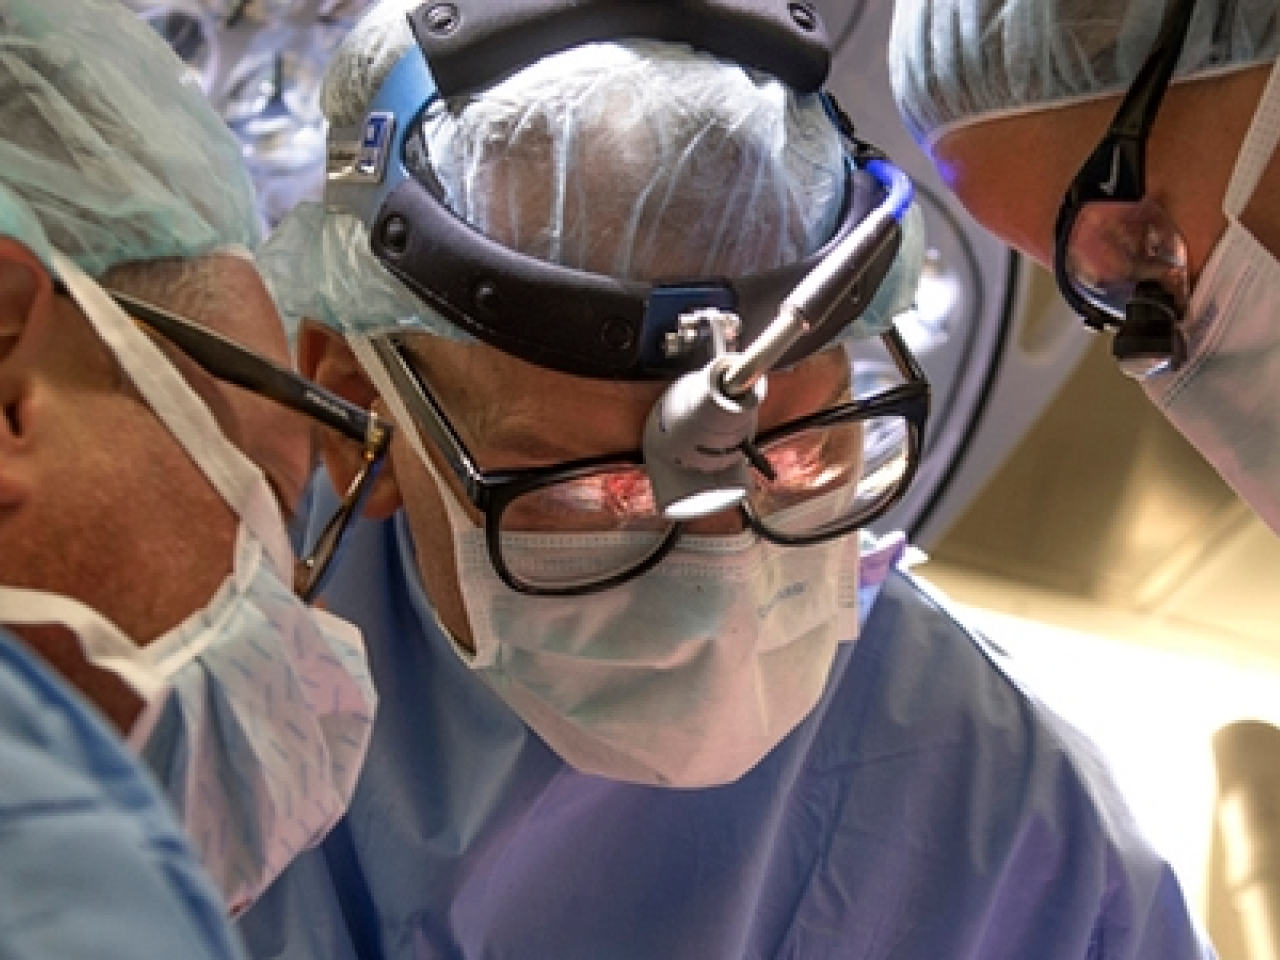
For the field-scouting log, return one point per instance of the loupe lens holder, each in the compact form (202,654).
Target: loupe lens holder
(697,439)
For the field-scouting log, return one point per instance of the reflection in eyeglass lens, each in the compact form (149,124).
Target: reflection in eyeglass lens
(886,455)
(861,465)
(614,500)
(806,465)
(1114,246)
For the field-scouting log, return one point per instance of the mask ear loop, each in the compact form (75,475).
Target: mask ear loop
(359,344)
(459,522)
(103,643)
(236,478)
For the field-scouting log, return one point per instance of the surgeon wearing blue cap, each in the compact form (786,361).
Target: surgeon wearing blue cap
(150,449)
(646,689)
(1144,176)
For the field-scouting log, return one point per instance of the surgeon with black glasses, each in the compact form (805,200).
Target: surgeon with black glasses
(649,687)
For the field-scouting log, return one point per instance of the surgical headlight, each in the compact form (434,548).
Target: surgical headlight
(698,438)
(698,441)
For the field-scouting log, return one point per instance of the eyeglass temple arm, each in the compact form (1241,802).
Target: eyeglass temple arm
(312,570)
(1133,120)
(902,356)
(230,362)
(1138,111)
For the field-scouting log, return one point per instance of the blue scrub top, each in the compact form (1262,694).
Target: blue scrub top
(93,865)
(927,809)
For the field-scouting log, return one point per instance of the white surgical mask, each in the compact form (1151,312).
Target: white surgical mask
(257,709)
(1221,398)
(686,676)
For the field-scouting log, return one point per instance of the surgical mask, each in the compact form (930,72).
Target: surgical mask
(257,709)
(1220,399)
(686,676)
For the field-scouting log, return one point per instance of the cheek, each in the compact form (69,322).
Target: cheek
(284,445)
(193,531)
(128,508)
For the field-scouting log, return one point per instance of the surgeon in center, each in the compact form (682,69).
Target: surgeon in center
(648,687)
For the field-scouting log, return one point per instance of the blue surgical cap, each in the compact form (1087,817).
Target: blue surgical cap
(956,62)
(109,151)
(645,158)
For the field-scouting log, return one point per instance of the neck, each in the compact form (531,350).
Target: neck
(60,649)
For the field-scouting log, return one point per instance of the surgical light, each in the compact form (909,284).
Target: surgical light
(698,436)
(693,443)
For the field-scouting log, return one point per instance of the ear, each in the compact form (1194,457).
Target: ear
(323,356)
(26,297)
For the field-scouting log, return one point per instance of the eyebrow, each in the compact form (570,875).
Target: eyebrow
(536,448)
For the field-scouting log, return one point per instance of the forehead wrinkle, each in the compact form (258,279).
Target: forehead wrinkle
(508,418)
(493,421)
(533,427)
(511,414)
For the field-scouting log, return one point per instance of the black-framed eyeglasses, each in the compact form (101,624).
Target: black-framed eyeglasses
(832,472)
(1119,259)
(231,363)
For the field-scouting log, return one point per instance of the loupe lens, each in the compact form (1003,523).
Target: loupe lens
(1115,246)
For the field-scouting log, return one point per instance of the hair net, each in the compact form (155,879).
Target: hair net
(954,62)
(109,142)
(642,155)
(317,263)
(634,159)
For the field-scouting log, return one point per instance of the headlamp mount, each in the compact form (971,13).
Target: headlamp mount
(470,44)
(589,324)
